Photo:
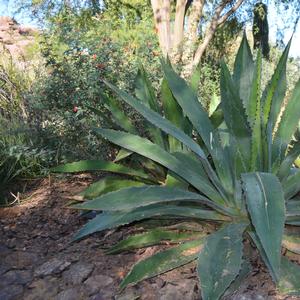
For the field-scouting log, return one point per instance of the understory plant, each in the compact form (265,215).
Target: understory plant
(238,175)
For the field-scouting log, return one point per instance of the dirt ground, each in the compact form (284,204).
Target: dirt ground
(38,260)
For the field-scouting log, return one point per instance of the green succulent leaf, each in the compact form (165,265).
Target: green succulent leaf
(122,154)
(290,118)
(265,203)
(152,237)
(119,117)
(236,121)
(292,185)
(134,197)
(107,184)
(144,147)
(243,274)
(220,260)
(108,220)
(187,99)
(163,262)
(244,71)
(145,92)
(274,93)
(98,165)
(255,118)
(173,113)
(286,165)
(289,282)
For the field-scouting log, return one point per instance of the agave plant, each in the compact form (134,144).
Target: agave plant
(239,175)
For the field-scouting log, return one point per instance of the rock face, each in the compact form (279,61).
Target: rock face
(15,37)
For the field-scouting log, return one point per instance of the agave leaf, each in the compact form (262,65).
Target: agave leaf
(274,93)
(243,274)
(162,262)
(193,163)
(172,180)
(170,129)
(290,119)
(192,108)
(236,120)
(213,105)
(292,185)
(98,165)
(150,238)
(292,243)
(144,147)
(265,202)
(108,220)
(289,282)
(262,253)
(120,118)
(145,91)
(243,77)
(255,119)
(220,260)
(217,118)
(134,197)
(293,207)
(106,185)
(286,165)
(122,154)
(173,113)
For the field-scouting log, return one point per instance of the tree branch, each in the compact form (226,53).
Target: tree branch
(224,18)
(192,30)
(179,23)
(161,11)
(211,29)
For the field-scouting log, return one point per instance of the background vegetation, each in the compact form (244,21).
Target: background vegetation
(51,98)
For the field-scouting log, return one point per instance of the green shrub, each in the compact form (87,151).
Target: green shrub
(238,175)
(79,50)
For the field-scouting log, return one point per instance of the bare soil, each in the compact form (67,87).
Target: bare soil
(38,260)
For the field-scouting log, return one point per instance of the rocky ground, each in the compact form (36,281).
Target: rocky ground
(38,260)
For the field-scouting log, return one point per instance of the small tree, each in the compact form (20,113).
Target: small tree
(182,32)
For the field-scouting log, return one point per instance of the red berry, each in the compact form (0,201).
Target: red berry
(75,109)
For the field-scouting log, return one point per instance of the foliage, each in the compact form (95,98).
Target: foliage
(21,154)
(238,175)
(80,50)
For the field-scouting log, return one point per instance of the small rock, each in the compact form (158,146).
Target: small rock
(3,250)
(11,292)
(129,294)
(97,282)
(3,269)
(42,289)
(15,277)
(78,273)
(70,294)
(53,266)
(21,259)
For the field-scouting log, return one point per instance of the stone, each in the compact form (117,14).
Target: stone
(21,259)
(69,294)
(128,294)
(19,277)
(96,283)
(52,266)
(42,289)
(78,273)
(11,292)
